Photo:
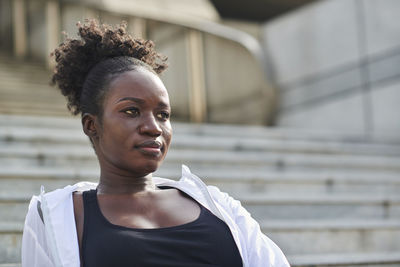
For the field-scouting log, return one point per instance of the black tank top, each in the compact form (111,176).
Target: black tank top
(206,241)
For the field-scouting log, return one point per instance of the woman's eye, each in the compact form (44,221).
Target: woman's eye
(163,115)
(132,112)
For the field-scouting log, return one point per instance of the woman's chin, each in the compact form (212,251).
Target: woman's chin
(148,168)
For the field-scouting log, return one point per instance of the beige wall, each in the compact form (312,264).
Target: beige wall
(236,89)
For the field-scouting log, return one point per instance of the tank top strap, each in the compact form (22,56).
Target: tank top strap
(89,198)
(90,205)
(89,218)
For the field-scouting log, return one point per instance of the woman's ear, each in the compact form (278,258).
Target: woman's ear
(89,126)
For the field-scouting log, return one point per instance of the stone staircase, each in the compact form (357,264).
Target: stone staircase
(326,199)
(25,89)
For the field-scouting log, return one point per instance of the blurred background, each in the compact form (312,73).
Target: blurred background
(291,106)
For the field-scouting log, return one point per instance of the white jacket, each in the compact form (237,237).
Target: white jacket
(54,243)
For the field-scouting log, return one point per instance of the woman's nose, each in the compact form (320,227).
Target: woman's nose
(150,126)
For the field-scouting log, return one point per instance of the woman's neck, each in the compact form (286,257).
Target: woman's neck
(117,183)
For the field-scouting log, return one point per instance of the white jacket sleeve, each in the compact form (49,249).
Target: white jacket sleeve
(34,247)
(260,250)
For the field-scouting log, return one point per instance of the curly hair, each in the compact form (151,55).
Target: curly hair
(86,66)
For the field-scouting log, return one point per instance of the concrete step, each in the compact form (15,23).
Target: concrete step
(372,259)
(22,69)
(265,207)
(241,144)
(227,180)
(10,65)
(258,132)
(39,104)
(20,66)
(28,187)
(298,237)
(29,75)
(67,155)
(24,87)
(36,102)
(288,207)
(304,242)
(39,111)
(45,136)
(242,178)
(282,161)
(46,97)
(29,179)
(10,243)
(285,133)
(25,83)
(38,92)
(32,121)
(24,72)
(36,110)
(13,210)
(7,60)
(11,83)
(302,182)
(388,259)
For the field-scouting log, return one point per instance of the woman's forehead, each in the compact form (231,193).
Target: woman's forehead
(138,84)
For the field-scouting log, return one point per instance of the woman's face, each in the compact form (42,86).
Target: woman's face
(136,130)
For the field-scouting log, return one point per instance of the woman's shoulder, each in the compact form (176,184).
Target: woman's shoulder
(67,190)
(53,199)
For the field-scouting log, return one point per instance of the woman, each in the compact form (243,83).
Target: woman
(130,218)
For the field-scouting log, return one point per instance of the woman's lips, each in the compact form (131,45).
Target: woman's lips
(151,147)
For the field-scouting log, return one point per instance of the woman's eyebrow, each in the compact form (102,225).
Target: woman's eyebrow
(163,105)
(141,101)
(133,99)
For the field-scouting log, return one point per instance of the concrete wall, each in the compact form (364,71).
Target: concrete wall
(236,89)
(337,66)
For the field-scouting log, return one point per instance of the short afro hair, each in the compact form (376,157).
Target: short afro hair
(86,66)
